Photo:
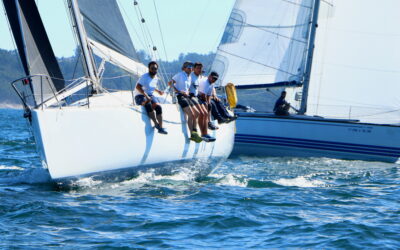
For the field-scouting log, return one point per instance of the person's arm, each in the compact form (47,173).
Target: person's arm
(139,88)
(159,92)
(214,94)
(172,84)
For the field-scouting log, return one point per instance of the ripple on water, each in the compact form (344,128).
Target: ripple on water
(245,202)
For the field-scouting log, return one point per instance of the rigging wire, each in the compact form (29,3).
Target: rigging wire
(147,34)
(159,27)
(262,64)
(131,23)
(140,21)
(298,4)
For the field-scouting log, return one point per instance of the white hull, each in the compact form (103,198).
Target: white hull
(303,136)
(75,141)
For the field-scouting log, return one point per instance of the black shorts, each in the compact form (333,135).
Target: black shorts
(194,100)
(183,101)
(139,99)
(201,101)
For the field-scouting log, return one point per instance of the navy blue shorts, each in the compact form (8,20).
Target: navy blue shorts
(201,101)
(139,99)
(183,101)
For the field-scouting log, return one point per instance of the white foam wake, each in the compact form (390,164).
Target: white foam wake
(300,181)
(230,180)
(3,167)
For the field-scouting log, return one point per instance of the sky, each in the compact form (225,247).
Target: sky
(357,56)
(187,25)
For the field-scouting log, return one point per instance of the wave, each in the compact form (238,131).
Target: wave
(177,179)
(230,180)
(20,175)
(3,167)
(301,181)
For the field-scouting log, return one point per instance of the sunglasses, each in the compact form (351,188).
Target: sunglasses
(154,68)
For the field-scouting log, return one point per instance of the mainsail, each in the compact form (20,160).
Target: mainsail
(264,42)
(107,34)
(34,48)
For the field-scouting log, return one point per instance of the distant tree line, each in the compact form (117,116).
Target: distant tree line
(114,78)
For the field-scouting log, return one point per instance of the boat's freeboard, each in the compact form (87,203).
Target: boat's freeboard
(304,136)
(96,130)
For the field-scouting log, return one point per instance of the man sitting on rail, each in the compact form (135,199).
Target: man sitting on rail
(145,87)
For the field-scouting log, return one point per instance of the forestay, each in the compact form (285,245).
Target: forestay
(108,35)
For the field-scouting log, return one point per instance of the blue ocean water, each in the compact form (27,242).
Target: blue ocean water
(244,203)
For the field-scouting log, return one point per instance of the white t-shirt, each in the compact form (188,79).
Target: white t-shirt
(195,82)
(206,87)
(182,81)
(148,84)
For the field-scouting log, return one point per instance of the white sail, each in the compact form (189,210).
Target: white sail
(356,62)
(108,36)
(264,43)
(118,59)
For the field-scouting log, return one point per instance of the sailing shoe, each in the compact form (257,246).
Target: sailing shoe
(231,118)
(211,126)
(208,138)
(195,137)
(161,130)
(222,120)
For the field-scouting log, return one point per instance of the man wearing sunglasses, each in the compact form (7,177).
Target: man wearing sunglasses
(196,76)
(206,92)
(181,83)
(145,87)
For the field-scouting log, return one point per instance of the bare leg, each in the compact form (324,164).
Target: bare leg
(189,113)
(196,114)
(203,124)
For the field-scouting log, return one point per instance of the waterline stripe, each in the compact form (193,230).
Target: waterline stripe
(322,145)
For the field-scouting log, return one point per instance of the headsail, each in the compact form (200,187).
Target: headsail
(264,42)
(34,48)
(107,34)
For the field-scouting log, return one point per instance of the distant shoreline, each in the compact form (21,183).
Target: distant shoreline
(10,106)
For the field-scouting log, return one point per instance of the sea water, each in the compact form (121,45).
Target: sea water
(246,202)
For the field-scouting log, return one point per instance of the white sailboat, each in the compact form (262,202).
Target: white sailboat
(102,131)
(269,44)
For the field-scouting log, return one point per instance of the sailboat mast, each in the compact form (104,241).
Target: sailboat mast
(311,45)
(88,60)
